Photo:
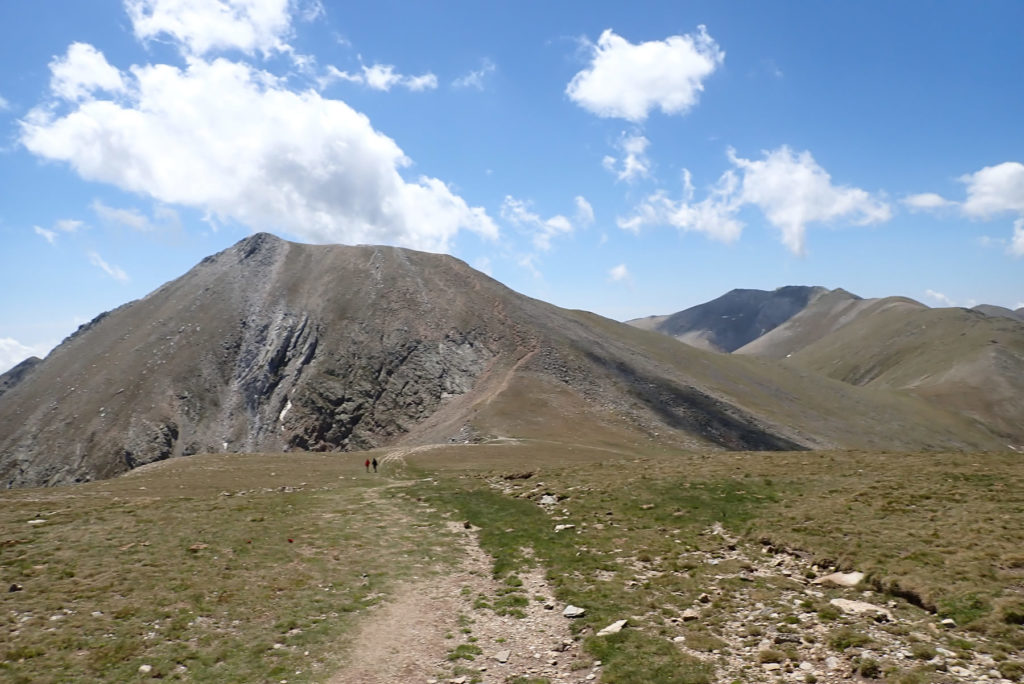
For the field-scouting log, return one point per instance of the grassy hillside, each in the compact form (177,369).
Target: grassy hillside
(260,567)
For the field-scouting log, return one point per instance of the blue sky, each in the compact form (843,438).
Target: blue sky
(626,159)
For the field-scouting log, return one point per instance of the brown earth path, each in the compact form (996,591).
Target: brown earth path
(408,638)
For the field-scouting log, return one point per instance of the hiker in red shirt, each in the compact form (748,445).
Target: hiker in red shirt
(367,464)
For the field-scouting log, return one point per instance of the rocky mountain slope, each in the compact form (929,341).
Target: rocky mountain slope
(15,375)
(273,346)
(734,319)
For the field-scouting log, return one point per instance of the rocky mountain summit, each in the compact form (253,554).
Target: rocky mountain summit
(273,346)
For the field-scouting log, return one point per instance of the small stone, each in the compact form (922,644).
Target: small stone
(14,588)
(832,663)
(574,611)
(769,667)
(37,521)
(704,598)
(691,614)
(196,548)
(806,666)
(548,500)
(559,528)
(459,680)
(948,623)
(145,669)
(613,628)
(503,656)
(679,639)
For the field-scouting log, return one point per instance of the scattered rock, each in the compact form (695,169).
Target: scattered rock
(15,587)
(196,548)
(613,628)
(859,607)
(145,669)
(574,611)
(559,528)
(842,579)
(503,656)
(37,521)
(691,614)
(948,622)
(548,500)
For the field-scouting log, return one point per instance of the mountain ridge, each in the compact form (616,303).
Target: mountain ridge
(272,346)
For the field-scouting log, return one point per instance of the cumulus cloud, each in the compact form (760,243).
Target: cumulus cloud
(634,162)
(233,141)
(202,26)
(927,201)
(48,235)
(13,352)
(475,78)
(517,212)
(791,191)
(626,80)
(995,190)
(618,273)
(114,272)
(4,104)
(381,77)
(584,212)
(83,71)
(714,216)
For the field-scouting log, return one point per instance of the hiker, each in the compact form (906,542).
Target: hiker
(367,465)
(375,464)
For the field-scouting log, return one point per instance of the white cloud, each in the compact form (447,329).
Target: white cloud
(517,212)
(234,142)
(994,190)
(202,26)
(68,225)
(927,201)
(791,190)
(997,190)
(4,104)
(1017,242)
(475,79)
(626,80)
(13,352)
(634,162)
(584,212)
(83,71)
(714,215)
(131,218)
(381,77)
(939,298)
(618,273)
(113,271)
(48,235)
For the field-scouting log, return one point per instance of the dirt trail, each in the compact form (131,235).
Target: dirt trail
(408,638)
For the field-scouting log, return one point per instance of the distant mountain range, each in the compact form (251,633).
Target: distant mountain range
(276,346)
(970,361)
